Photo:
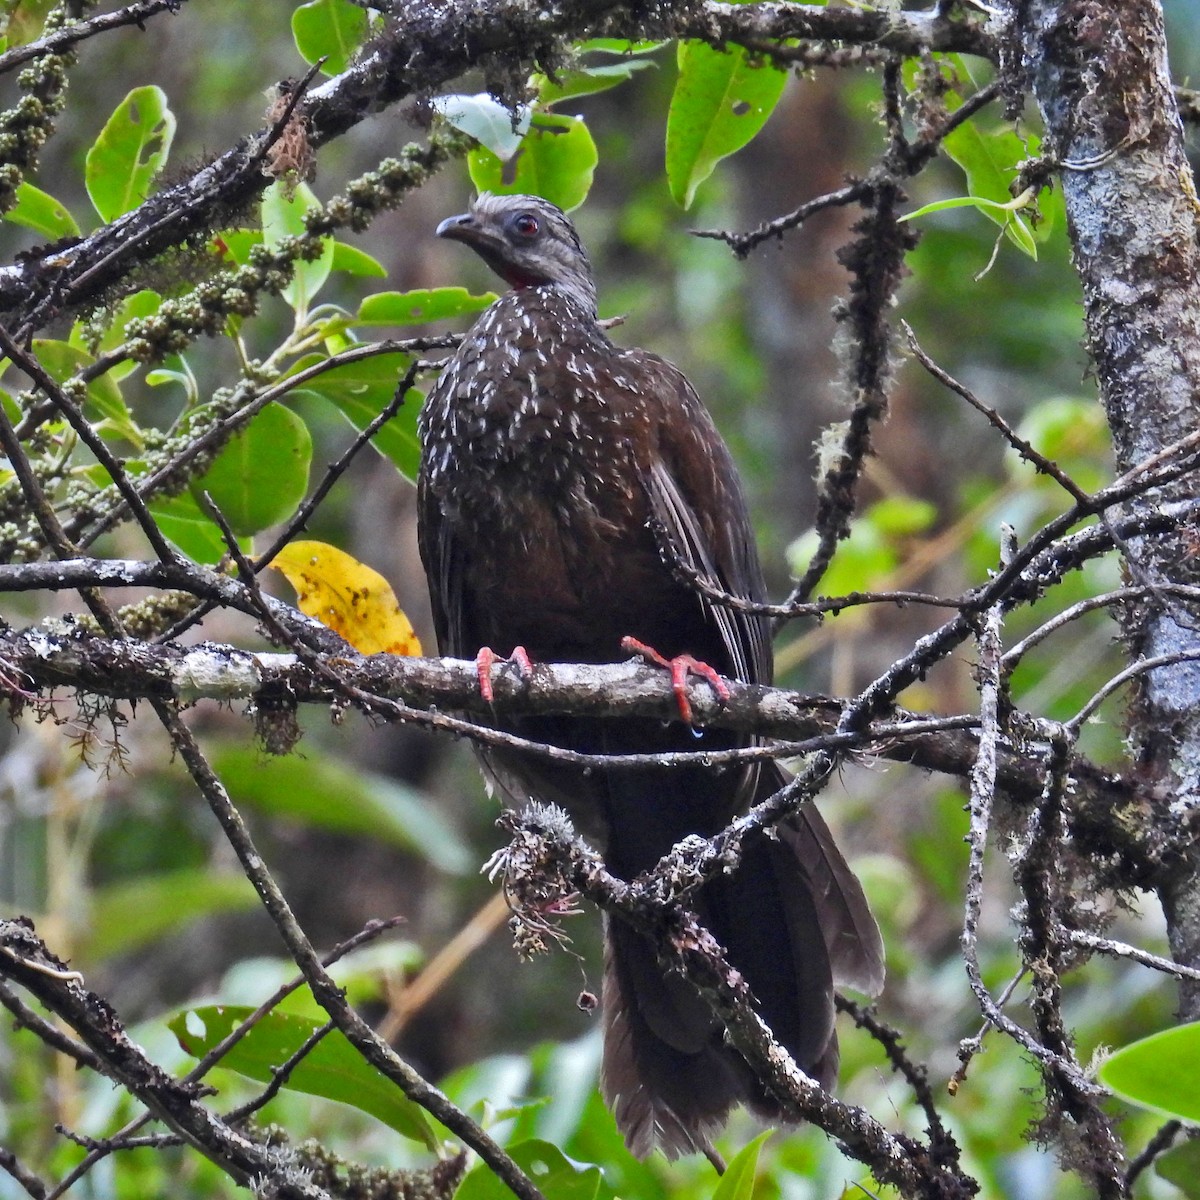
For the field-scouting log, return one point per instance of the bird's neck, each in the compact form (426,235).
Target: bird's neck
(578,291)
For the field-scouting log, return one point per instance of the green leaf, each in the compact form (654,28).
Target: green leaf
(1159,1072)
(901,515)
(1021,236)
(1005,215)
(333,1070)
(738,1181)
(350,260)
(1069,430)
(175,369)
(40,211)
(321,791)
(493,126)
(189,530)
(873,548)
(360,391)
(62,361)
(329,29)
(556,1176)
(283,212)
(129,915)
(556,160)
(720,102)
(420,307)
(261,476)
(130,151)
(993,208)
(990,161)
(587,81)
(161,375)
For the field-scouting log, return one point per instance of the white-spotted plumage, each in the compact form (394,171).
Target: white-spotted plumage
(561,475)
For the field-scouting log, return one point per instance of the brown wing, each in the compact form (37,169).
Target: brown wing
(441,553)
(696,494)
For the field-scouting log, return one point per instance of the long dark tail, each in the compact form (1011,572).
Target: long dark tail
(793,920)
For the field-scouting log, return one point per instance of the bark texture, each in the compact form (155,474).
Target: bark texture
(1099,73)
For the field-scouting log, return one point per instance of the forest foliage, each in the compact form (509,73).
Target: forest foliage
(246,395)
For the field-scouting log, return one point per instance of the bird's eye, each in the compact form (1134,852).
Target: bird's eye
(526,224)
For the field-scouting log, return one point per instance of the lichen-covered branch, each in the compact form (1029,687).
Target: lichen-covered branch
(424,48)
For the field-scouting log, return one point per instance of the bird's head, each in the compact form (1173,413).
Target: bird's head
(528,242)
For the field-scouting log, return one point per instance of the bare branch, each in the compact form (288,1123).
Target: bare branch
(71,35)
(26,961)
(1103,945)
(376,1051)
(431,46)
(687,947)
(25,1177)
(1162,1141)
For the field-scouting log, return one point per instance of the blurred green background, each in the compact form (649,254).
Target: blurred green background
(127,876)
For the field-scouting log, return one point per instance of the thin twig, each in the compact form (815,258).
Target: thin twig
(1039,876)
(915,157)
(969,1047)
(1103,945)
(1142,667)
(1163,1139)
(1040,463)
(121,1140)
(92,440)
(23,1175)
(943,1147)
(742,243)
(377,1052)
(22,954)
(220,431)
(983,789)
(280,1075)
(1024,448)
(71,35)
(55,1038)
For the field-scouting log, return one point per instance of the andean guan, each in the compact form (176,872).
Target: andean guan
(552,462)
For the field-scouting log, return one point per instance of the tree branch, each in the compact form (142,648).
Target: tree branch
(545,850)
(1108,811)
(25,960)
(423,49)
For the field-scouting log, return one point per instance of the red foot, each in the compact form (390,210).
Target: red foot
(680,667)
(487,658)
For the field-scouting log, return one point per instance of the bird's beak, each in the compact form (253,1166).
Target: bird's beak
(455,227)
(466,228)
(485,239)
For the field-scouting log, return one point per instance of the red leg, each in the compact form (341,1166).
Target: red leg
(487,658)
(680,667)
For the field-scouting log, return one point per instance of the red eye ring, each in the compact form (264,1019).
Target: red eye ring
(526,224)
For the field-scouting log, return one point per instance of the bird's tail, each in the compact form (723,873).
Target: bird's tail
(793,921)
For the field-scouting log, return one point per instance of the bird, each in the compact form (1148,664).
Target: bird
(554,466)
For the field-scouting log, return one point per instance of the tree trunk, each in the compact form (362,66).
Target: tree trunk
(1099,73)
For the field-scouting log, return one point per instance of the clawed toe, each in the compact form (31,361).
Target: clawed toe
(487,658)
(681,666)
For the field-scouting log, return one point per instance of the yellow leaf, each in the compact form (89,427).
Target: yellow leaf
(348,596)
